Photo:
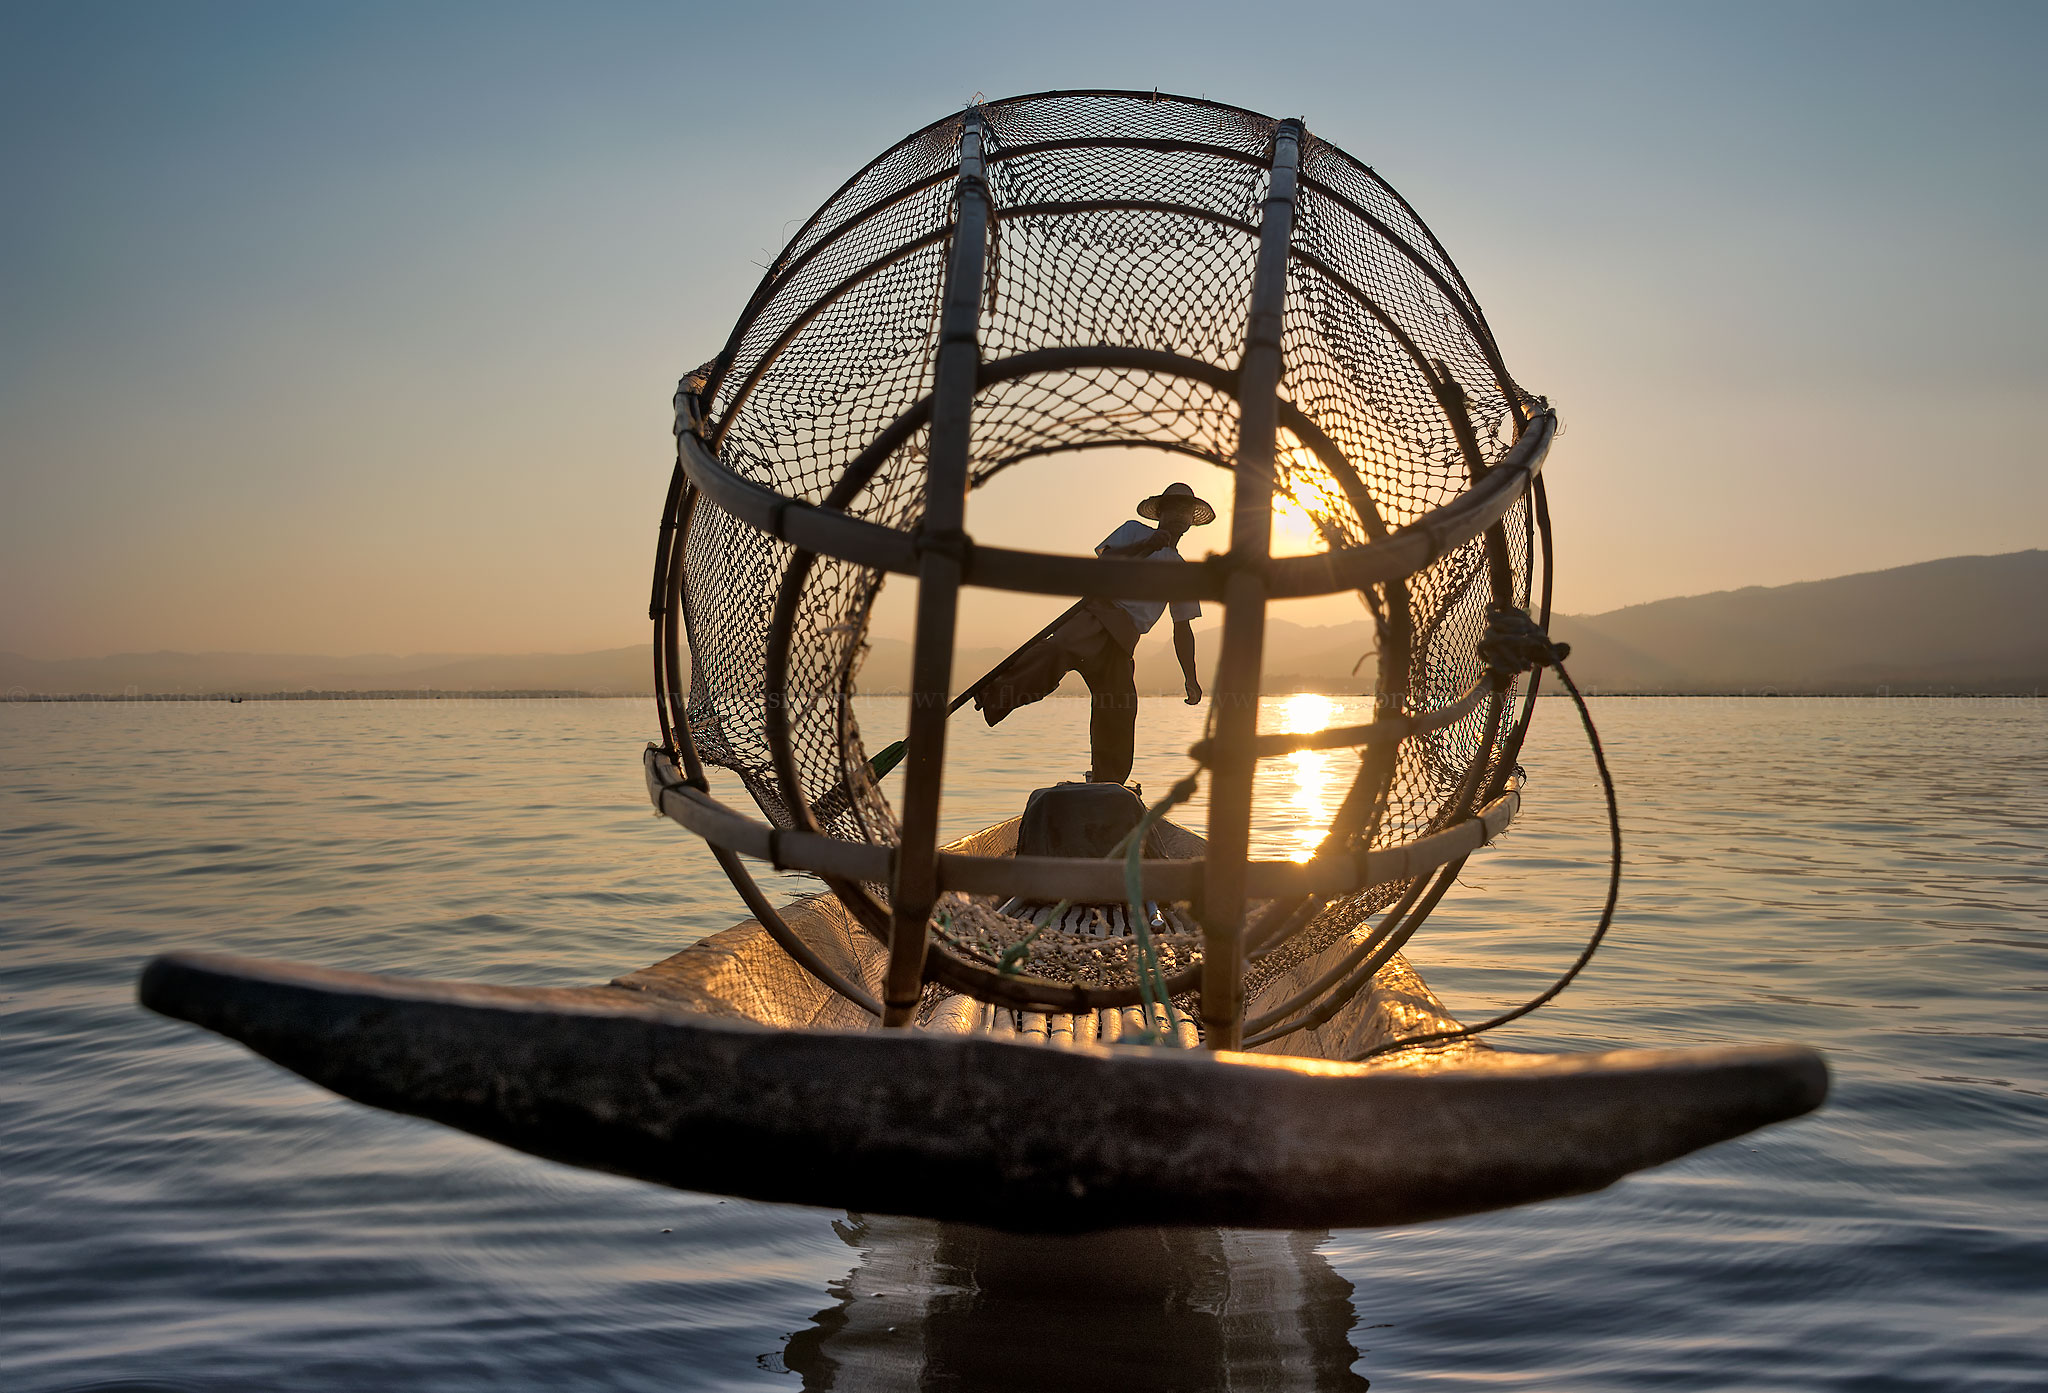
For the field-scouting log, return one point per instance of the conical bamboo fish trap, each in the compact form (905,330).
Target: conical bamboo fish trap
(1073,271)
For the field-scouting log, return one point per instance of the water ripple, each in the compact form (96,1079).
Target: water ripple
(177,1214)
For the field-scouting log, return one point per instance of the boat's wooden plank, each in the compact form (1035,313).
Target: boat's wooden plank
(954,1015)
(1397,1004)
(745,971)
(972,1128)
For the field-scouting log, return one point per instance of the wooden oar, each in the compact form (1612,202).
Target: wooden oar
(837,798)
(892,755)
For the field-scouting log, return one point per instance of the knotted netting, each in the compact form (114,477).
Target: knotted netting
(1123,232)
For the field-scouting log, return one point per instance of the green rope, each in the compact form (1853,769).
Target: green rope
(1162,1022)
(1013,957)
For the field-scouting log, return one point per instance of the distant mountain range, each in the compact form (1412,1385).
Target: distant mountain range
(1966,624)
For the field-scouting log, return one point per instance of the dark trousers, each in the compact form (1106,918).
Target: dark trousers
(1096,642)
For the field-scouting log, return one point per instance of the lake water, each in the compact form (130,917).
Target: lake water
(1870,877)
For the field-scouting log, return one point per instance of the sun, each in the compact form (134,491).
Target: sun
(1294,531)
(1303,491)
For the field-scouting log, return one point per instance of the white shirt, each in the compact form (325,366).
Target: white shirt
(1145,613)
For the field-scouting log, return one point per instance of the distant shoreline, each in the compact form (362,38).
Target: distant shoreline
(236,698)
(1963,626)
(232,698)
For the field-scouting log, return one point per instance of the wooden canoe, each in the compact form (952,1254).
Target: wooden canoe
(728,1068)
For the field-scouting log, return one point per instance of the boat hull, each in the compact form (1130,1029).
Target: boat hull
(965,1126)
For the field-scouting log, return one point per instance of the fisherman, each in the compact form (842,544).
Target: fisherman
(1099,639)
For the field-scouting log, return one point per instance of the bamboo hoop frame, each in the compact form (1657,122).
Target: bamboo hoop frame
(1083,880)
(1234,704)
(1226,886)
(824,531)
(942,546)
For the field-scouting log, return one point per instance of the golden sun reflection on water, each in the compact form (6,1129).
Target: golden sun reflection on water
(1304,713)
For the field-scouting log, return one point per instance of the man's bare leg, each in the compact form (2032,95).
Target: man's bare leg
(1112,715)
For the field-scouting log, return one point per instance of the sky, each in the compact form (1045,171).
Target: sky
(352,328)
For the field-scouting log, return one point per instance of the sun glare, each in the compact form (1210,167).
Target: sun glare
(1305,490)
(1294,531)
(1307,712)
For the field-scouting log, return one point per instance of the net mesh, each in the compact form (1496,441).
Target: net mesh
(1123,221)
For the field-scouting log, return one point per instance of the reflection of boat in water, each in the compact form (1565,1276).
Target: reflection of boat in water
(1052,273)
(947,1306)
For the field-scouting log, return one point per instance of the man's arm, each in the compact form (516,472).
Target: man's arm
(1184,649)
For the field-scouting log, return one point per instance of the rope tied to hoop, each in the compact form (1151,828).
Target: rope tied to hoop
(1514,644)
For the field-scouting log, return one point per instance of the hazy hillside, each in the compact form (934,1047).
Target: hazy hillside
(1970,623)
(1298,657)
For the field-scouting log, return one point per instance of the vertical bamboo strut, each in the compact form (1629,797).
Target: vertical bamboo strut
(667,552)
(942,541)
(1236,698)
